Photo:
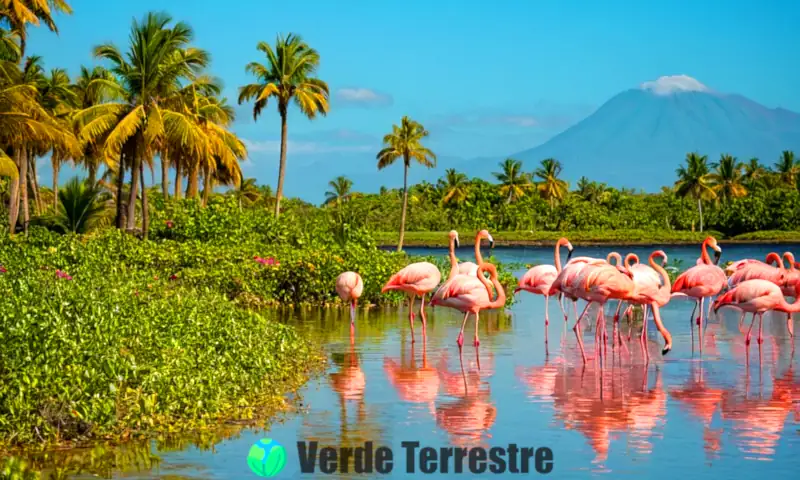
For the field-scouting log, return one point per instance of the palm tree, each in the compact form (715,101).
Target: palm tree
(513,181)
(247,193)
(340,190)
(455,187)
(727,178)
(754,173)
(81,208)
(551,188)
(89,93)
(288,74)
(694,181)
(18,14)
(405,142)
(135,127)
(787,168)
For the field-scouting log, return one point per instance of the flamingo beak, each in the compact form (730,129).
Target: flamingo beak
(457,243)
(717,255)
(666,350)
(491,241)
(569,254)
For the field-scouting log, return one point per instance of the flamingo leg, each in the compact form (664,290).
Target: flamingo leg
(741,319)
(790,326)
(477,341)
(574,307)
(561,304)
(760,329)
(460,339)
(546,319)
(643,338)
(750,330)
(352,320)
(629,313)
(577,330)
(605,334)
(700,325)
(411,316)
(424,317)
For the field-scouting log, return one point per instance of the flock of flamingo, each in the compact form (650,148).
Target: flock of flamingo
(749,285)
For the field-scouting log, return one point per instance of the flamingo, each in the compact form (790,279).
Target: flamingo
(416,279)
(539,279)
(792,276)
(599,283)
(652,288)
(349,286)
(469,268)
(758,296)
(469,294)
(563,282)
(733,267)
(621,268)
(701,281)
(763,271)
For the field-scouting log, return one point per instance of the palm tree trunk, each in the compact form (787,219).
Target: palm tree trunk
(120,188)
(194,180)
(56,167)
(178,181)
(282,167)
(92,168)
(165,177)
(405,205)
(145,211)
(135,168)
(13,204)
(206,186)
(34,185)
(23,183)
(700,209)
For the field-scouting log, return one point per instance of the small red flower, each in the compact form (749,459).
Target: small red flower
(63,275)
(170,223)
(155,277)
(173,277)
(3,269)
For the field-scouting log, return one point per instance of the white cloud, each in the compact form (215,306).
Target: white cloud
(362,97)
(669,84)
(518,120)
(299,147)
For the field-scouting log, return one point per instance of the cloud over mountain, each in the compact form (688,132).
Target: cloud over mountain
(669,84)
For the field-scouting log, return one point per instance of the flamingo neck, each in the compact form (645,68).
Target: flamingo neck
(557,255)
(704,254)
(793,307)
(501,293)
(630,260)
(616,256)
(661,271)
(774,257)
(478,257)
(453,259)
(788,257)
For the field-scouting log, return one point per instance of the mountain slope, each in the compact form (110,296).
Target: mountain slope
(639,137)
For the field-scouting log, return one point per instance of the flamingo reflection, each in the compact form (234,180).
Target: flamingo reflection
(472,414)
(701,401)
(414,384)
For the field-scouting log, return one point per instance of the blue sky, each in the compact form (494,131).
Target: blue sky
(486,78)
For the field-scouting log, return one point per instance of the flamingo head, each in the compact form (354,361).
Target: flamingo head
(712,242)
(488,236)
(663,255)
(454,237)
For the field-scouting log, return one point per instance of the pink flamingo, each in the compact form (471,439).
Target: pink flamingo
(539,279)
(701,281)
(564,281)
(734,266)
(469,268)
(758,296)
(599,283)
(652,288)
(792,276)
(469,294)
(349,286)
(417,279)
(758,270)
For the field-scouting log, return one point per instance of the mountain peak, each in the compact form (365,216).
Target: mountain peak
(670,84)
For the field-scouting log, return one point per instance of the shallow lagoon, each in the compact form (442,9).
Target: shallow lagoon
(729,411)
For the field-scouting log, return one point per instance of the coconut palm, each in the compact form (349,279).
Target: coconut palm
(454,187)
(787,168)
(405,142)
(18,14)
(134,128)
(89,93)
(247,193)
(10,50)
(81,208)
(288,74)
(727,179)
(754,173)
(341,187)
(694,181)
(513,181)
(551,188)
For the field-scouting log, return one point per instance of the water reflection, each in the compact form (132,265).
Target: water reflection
(469,417)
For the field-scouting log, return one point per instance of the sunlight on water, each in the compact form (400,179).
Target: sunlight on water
(728,411)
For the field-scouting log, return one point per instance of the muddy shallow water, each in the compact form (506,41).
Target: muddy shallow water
(728,411)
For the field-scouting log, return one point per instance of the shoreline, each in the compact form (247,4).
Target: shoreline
(386,240)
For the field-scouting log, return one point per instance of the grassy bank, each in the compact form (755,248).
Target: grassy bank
(600,237)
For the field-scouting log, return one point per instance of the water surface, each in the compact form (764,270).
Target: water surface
(729,411)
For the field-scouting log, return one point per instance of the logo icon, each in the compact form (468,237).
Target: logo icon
(266,458)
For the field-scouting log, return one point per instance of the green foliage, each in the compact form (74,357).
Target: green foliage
(81,208)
